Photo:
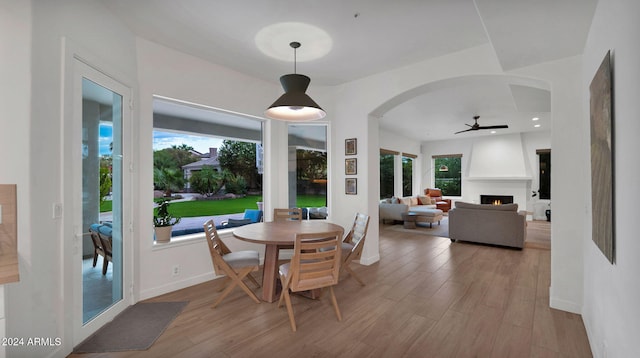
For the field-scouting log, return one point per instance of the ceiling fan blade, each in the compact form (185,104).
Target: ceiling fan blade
(494,127)
(466,130)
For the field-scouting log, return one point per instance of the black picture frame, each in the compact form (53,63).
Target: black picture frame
(351,186)
(351,146)
(351,166)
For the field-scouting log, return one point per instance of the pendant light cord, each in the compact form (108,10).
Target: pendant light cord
(295,46)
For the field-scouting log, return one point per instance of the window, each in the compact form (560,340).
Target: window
(308,168)
(407,174)
(544,160)
(448,174)
(209,155)
(387,173)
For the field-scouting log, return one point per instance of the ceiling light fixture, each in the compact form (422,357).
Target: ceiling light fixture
(535,118)
(295,105)
(537,126)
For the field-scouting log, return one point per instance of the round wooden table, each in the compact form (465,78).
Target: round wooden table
(276,235)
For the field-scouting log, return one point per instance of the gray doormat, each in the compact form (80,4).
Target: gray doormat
(136,328)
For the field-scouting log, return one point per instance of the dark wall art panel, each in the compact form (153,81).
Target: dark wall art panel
(602,166)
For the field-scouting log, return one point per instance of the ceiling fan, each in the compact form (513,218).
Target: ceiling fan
(476,126)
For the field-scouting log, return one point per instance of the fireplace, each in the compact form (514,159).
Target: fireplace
(496,199)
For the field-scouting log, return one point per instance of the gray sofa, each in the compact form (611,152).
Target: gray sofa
(488,224)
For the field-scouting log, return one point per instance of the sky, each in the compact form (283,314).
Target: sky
(163,140)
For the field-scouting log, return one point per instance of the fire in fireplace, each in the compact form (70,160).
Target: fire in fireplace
(496,199)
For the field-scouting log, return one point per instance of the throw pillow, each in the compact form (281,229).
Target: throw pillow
(424,200)
(394,200)
(238,222)
(414,201)
(433,201)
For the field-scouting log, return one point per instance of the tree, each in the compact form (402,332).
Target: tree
(168,180)
(386,176)
(174,157)
(106,163)
(448,175)
(207,181)
(311,164)
(235,184)
(240,159)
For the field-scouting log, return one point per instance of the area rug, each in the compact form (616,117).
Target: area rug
(136,328)
(441,230)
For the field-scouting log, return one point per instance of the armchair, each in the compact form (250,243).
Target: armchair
(441,203)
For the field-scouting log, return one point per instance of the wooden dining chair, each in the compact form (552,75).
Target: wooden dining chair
(353,244)
(235,265)
(287,214)
(315,264)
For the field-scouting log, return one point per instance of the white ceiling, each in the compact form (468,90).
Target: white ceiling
(371,36)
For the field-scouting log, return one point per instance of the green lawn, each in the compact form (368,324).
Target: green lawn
(193,208)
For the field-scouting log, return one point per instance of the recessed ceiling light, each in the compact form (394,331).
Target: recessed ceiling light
(535,118)
(537,126)
(493,132)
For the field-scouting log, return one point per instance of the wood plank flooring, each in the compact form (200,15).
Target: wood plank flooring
(426,297)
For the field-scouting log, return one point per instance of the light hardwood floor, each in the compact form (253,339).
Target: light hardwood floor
(425,297)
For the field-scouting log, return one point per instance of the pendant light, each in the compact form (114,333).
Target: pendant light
(295,105)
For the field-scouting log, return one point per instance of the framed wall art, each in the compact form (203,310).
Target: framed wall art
(351,186)
(351,166)
(601,121)
(351,146)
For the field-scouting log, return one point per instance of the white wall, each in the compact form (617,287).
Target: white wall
(611,291)
(36,305)
(169,73)
(567,178)
(15,96)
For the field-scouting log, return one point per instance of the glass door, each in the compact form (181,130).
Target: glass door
(101,199)
(97,187)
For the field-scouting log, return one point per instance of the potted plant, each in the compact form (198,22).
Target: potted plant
(163,221)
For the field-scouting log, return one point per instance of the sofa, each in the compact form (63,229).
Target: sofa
(441,203)
(488,224)
(393,208)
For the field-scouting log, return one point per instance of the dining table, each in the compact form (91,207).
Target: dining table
(277,235)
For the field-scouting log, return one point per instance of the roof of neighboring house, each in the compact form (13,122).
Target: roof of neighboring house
(210,158)
(204,161)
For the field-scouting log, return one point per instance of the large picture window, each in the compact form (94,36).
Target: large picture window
(387,173)
(448,174)
(308,165)
(544,164)
(407,174)
(207,162)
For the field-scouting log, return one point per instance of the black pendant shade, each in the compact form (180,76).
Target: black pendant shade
(295,105)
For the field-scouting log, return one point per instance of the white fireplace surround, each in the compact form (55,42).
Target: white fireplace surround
(498,166)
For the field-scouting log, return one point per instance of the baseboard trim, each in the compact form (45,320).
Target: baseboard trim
(369,260)
(176,285)
(563,305)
